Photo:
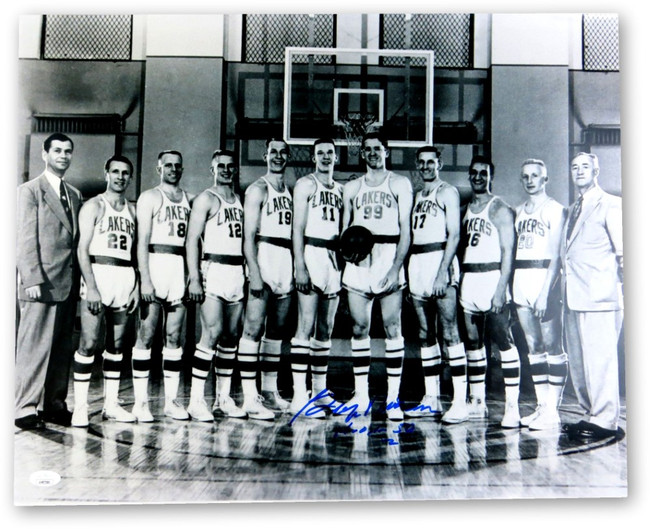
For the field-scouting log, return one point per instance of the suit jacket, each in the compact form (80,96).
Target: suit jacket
(589,256)
(47,241)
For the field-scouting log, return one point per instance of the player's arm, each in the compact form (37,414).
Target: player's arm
(198,217)
(253,201)
(449,198)
(504,219)
(28,256)
(134,297)
(146,206)
(303,190)
(554,266)
(402,189)
(87,218)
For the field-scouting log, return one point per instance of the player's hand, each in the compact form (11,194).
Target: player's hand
(390,280)
(256,286)
(440,286)
(195,291)
(147,293)
(303,281)
(498,301)
(93,301)
(34,293)
(539,308)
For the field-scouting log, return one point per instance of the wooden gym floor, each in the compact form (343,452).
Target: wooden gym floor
(234,460)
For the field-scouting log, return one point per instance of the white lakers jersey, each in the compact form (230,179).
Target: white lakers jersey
(428,223)
(113,235)
(482,237)
(223,232)
(376,208)
(534,230)
(170,222)
(324,211)
(277,213)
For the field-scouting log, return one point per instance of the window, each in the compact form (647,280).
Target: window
(87,37)
(600,42)
(266,36)
(449,35)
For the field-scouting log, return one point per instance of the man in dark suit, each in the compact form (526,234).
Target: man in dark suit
(592,259)
(47,235)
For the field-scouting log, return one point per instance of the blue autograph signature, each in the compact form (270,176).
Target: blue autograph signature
(378,432)
(325,401)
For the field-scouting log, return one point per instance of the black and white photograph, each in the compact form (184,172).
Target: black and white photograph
(349,256)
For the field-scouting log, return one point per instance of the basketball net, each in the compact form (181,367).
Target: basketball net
(355,125)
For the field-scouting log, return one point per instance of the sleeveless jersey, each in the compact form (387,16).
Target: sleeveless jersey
(428,219)
(534,230)
(223,232)
(324,211)
(170,222)
(277,213)
(482,237)
(113,235)
(376,208)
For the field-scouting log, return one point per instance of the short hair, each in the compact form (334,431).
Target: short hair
(268,142)
(479,158)
(428,148)
(118,158)
(57,136)
(223,152)
(535,161)
(374,136)
(320,141)
(176,153)
(594,158)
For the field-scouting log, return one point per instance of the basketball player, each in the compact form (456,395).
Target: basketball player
(317,207)
(380,201)
(433,279)
(268,213)
(489,233)
(216,221)
(108,288)
(162,216)
(536,292)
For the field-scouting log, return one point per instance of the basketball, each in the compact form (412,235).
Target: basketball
(355,244)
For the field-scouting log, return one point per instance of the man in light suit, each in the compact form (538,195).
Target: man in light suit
(47,235)
(592,258)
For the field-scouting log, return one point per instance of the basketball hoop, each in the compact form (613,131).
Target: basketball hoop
(355,125)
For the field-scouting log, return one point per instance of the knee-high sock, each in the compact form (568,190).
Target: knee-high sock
(299,355)
(431,367)
(141,365)
(476,369)
(248,366)
(394,362)
(539,371)
(112,364)
(270,351)
(82,371)
(511,369)
(361,365)
(458,369)
(201,367)
(558,371)
(319,353)
(171,371)
(224,368)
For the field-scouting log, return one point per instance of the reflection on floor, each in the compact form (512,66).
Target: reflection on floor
(337,458)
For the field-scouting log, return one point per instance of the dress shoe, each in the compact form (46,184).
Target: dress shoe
(60,417)
(30,422)
(589,431)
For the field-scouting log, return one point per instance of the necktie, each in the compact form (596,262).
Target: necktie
(64,201)
(575,213)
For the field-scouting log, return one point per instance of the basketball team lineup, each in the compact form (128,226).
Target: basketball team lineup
(469,264)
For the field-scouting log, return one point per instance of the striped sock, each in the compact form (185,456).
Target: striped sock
(511,370)
(458,370)
(319,353)
(431,367)
(539,372)
(201,365)
(247,360)
(224,368)
(111,365)
(394,363)
(476,370)
(141,366)
(270,351)
(82,371)
(361,364)
(172,371)
(299,365)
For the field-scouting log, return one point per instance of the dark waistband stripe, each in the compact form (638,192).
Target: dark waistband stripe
(532,263)
(235,260)
(480,267)
(113,261)
(330,244)
(167,248)
(427,248)
(276,241)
